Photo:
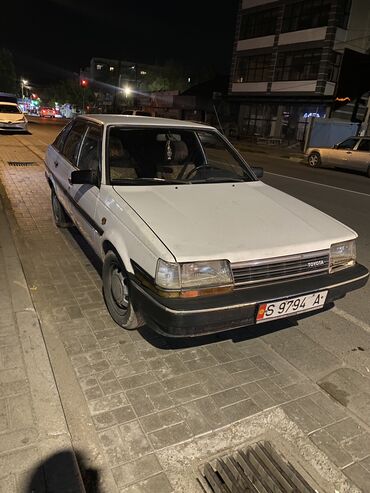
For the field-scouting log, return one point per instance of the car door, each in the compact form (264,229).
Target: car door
(67,162)
(84,197)
(342,154)
(360,158)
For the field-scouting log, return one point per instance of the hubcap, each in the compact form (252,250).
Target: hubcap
(119,288)
(313,160)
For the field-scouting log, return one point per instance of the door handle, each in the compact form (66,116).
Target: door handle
(56,164)
(349,152)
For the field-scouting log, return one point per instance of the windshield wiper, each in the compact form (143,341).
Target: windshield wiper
(158,181)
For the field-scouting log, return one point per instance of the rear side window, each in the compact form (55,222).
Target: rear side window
(73,141)
(90,154)
(59,141)
(364,145)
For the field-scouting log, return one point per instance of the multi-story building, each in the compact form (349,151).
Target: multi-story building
(287,58)
(111,78)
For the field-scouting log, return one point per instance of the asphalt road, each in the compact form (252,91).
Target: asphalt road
(344,196)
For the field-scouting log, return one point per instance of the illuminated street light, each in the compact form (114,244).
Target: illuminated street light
(24,83)
(127,91)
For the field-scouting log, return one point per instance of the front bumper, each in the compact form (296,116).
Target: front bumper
(14,126)
(194,317)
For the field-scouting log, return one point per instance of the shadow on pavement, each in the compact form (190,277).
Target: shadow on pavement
(60,473)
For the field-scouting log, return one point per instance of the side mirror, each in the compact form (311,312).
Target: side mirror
(84,177)
(258,171)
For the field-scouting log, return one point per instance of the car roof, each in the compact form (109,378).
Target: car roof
(144,121)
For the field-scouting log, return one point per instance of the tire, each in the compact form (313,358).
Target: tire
(116,291)
(314,160)
(61,218)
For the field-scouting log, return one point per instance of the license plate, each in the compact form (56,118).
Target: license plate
(284,308)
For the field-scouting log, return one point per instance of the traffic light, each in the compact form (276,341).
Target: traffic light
(84,82)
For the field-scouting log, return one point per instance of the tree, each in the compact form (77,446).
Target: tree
(8,79)
(68,91)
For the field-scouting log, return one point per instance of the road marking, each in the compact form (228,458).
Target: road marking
(351,318)
(319,184)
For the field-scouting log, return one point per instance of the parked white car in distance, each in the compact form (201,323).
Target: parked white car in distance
(191,241)
(12,118)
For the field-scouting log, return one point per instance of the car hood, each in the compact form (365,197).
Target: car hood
(11,117)
(234,221)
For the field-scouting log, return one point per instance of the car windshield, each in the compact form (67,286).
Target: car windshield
(160,156)
(9,108)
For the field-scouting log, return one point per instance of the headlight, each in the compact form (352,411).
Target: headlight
(194,278)
(342,255)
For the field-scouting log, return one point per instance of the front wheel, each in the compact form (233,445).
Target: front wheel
(116,291)
(314,160)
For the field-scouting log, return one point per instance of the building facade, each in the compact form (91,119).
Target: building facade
(287,58)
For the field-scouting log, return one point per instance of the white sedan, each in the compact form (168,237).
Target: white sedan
(12,118)
(192,242)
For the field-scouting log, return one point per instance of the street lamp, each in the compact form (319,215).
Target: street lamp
(127,91)
(23,84)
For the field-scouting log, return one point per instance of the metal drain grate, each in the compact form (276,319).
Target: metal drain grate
(256,469)
(22,163)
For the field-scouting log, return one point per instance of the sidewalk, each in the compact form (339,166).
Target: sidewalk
(146,412)
(35,446)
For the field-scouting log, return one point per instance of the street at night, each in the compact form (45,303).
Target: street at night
(148,410)
(185,246)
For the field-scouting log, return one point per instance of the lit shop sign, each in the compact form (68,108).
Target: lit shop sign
(343,100)
(308,115)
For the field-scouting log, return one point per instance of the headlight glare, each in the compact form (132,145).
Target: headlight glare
(342,255)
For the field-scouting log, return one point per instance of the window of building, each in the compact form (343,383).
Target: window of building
(298,65)
(334,66)
(111,69)
(306,15)
(99,66)
(257,24)
(343,11)
(253,68)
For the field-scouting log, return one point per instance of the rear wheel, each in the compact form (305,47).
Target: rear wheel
(116,290)
(61,218)
(314,160)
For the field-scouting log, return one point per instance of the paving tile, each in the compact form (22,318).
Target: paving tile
(240,410)
(136,443)
(359,446)
(20,411)
(162,419)
(345,429)
(107,403)
(238,365)
(264,366)
(297,414)
(114,417)
(330,447)
(359,475)
(155,484)
(149,399)
(229,396)
(4,420)
(170,435)
(135,471)
(137,380)
(366,463)
(187,394)
(315,411)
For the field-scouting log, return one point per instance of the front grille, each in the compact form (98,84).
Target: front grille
(261,271)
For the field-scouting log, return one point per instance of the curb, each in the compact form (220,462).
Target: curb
(54,438)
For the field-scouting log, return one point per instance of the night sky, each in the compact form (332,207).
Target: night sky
(52,39)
